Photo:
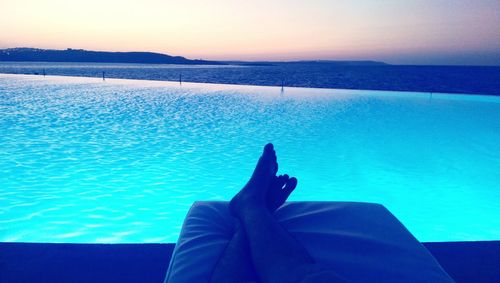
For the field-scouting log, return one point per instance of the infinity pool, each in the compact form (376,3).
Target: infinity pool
(84,160)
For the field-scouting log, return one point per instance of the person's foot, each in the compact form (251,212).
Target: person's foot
(279,190)
(254,193)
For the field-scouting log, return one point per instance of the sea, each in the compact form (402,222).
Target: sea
(445,79)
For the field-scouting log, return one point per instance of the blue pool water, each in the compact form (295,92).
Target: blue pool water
(82,160)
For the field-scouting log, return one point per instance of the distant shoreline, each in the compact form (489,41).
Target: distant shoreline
(28,54)
(87,56)
(263,63)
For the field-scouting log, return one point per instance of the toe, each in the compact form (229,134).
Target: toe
(290,185)
(281,180)
(268,147)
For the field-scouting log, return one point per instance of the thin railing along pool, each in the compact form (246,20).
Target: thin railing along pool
(84,160)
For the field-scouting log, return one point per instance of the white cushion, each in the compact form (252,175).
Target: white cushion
(362,242)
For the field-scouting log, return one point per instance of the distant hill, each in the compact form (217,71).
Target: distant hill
(80,55)
(308,62)
(341,62)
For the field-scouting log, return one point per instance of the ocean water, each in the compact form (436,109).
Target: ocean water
(84,160)
(454,79)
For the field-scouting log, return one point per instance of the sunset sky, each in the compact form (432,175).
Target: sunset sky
(393,31)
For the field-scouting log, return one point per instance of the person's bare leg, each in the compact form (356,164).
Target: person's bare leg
(235,264)
(276,255)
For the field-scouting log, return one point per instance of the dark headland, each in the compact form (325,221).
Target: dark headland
(25,54)
(80,55)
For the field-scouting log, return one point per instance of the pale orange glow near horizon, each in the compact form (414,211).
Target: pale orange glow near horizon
(412,31)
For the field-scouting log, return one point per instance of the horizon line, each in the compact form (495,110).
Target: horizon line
(297,60)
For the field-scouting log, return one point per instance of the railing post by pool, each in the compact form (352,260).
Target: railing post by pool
(282,84)
(180,79)
(103,76)
(44,72)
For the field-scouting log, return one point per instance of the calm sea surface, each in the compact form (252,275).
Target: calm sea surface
(85,160)
(450,79)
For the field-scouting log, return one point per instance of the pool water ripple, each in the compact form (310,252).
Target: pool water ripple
(82,160)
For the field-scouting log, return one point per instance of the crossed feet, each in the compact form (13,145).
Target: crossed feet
(264,190)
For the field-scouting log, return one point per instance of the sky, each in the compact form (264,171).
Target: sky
(441,32)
